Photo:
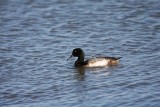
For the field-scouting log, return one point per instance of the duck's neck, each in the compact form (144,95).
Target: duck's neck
(81,58)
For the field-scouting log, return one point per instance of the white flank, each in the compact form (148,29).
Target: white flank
(98,62)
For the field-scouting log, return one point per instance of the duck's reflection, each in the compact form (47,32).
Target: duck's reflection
(82,83)
(81,86)
(80,73)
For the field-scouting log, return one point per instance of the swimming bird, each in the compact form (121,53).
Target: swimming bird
(94,62)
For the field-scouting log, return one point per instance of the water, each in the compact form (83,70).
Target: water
(37,36)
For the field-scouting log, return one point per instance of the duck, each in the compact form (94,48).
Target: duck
(93,62)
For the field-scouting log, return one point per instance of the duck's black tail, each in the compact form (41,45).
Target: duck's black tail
(118,58)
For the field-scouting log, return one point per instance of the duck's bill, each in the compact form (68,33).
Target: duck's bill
(70,57)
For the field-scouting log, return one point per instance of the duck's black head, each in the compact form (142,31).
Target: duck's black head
(77,52)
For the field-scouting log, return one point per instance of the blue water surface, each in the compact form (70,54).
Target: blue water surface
(37,36)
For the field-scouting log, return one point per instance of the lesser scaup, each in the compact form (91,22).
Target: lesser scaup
(94,62)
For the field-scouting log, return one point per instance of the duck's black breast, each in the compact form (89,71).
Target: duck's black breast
(80,63)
